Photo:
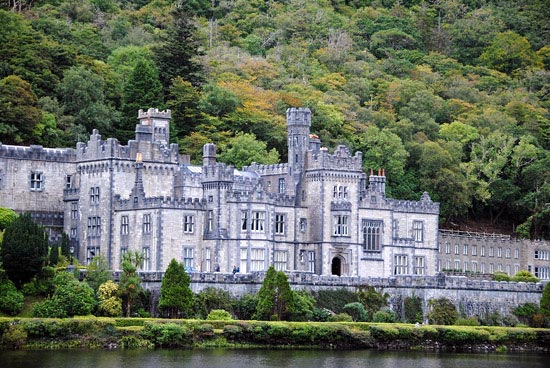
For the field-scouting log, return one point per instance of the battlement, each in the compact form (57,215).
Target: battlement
(298,116)
(218,172)
(376,200)
(274,169)
(154,113)
(36,152)
(341,159)
(160,202)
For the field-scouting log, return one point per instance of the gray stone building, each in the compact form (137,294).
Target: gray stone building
(319,212)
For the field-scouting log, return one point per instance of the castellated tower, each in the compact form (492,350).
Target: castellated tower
(154,126)
(298,123)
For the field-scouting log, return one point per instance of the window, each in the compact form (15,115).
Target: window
(94,226)
(37,181)
(395,228)
(146,259)
(244,220)
(345,193)
(491,268)
(282,185)
(482,268)
(311,261)
(74,211)
(188,224)
(244,258)
(419,266)
(508,253)
(400,265)
(474,266)
(491,252)
(124,225)
(207,260)
(516,253)
(147,223)
(257,260)
(303,224)
(73,233)
(210,221)
(335,192)
(371,235)
(418,231)
(447,248)
(456,249)
(257,222)
(91,252)
(188,259)
(94,195)
(439,266)
(448,264)
(457,265)
(516,269)
(465,266)
(508,269)
(474,250)
(483,250)
(465,250)
(280,259)
(499,252)
(279,223)
(500,267)
(69,181)
(340,225)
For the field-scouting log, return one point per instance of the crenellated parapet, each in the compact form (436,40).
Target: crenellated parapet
(263,170)
(341,159)
(36,152)
(160,202)
(217,172)
(375,200)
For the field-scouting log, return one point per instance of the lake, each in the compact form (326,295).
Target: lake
(239,358)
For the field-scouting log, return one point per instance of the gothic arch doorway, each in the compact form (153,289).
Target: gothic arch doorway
(336,266)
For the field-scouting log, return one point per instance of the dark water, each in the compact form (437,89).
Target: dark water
(264,358)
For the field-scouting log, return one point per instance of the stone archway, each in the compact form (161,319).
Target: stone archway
(336,266)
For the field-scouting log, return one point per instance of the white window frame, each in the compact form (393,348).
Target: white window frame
(257,259)
(340,225)
(419,267)
(280,220)
(36,181)
(188,224)
(280,260)
(147,223)
(372,234)
(418,231)
(188,258)
(257,223)
(146,258)
(400,264)
(124,225)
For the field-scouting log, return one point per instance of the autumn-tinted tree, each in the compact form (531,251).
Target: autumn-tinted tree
(176,297)
(176,55)
(19,112)
(24,249)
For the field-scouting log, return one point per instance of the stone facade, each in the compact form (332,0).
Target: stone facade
(318,213)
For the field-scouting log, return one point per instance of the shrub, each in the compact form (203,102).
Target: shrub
(213,298)
(15,337)
(525,312)
(110,304)
(386,316)
(356,311)
(443,312)
(501,276)
(167,335)
(219,315)
(320,315)
(341,317)
(304,304)
(246,306)
(11,300)
(413,309)
(471,321)
(524,276)
(334,300)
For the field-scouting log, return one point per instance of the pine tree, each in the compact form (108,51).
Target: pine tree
(130,283)
(275,298)
(24,249)
(176,55)
(142,90)
(184,103)
(176,297)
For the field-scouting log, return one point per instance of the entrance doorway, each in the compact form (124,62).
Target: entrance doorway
(336,267)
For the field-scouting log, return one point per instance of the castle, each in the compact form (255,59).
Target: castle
(318,213)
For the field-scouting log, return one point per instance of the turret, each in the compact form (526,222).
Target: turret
(154,126)
(209,154)
(298,122)
(377,183)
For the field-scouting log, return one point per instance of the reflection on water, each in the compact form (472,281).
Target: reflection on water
(263,358)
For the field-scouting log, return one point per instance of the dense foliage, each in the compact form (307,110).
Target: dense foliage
(176,297)
(448,96)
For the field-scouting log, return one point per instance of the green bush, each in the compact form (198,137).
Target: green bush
(443,312)
(341,317)
(413,309)
(219,315)
(11,300)
(320,315)
(524,276)
(501,276)
(212,298)
(15,337)
(386,316)
(334,300)
(471,321)
(357,312)
(134,342)
(246,306)
(167,335)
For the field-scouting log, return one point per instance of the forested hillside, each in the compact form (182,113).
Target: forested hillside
(449,96)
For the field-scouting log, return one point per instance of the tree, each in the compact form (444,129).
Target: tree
(244,149)
(176,55)
(142,90)
(19,112)
(11,300)
(545,302)
(98,272)
(275,298)
(130,284)
(185,105)
(176,298)
(442,312)
(509,52)
(110,304)
(7,216)
(24,249)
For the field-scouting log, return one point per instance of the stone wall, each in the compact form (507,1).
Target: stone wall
(472,297)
